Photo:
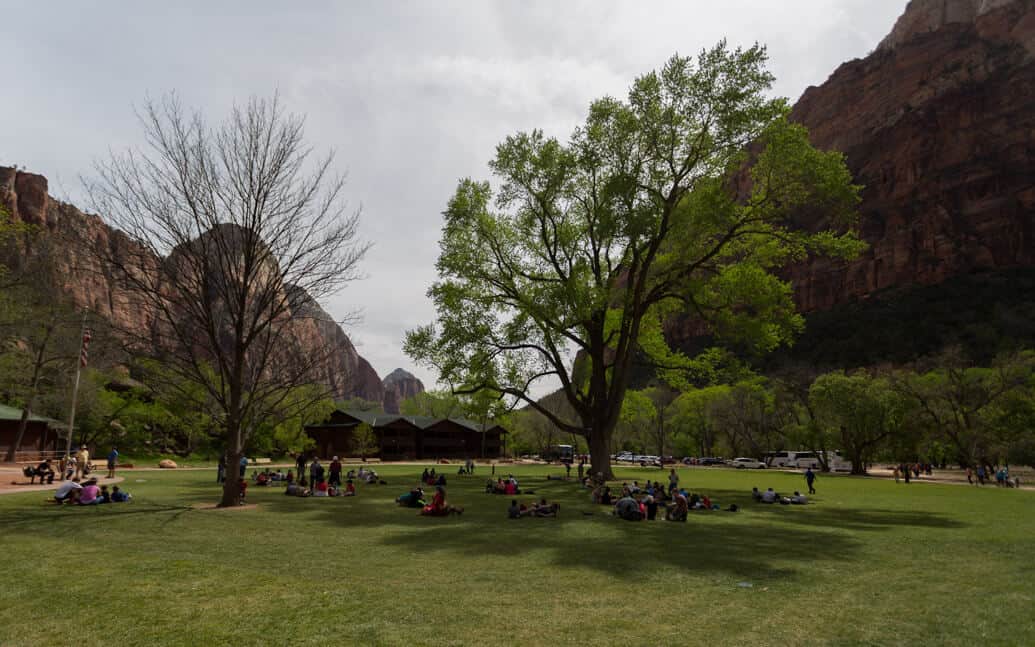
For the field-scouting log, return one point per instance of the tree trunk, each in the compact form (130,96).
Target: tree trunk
(19,435)
(600,452)
(231,488)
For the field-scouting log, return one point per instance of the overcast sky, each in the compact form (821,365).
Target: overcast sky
(412,96)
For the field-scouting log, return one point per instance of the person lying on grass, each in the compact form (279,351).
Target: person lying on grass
(799,498)
(412,499)
(439,507)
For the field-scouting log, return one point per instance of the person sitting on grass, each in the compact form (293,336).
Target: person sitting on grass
(262,479)
(799,498)
(88,495)
(297,489)
(320,489)
(104,496)
(769,496)
(439,507)
(544,509)
(605,496)
(756,495)
(652,508)
(514,511)
(350,489)
(628,508)
(677,510)
(412,499)
(68,492)
(706,503)
(119,496)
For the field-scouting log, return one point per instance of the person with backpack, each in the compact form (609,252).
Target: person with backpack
(316,472)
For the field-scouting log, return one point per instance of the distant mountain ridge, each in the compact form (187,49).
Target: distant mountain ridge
(25,196)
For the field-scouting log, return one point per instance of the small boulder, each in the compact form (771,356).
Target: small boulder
(166,463)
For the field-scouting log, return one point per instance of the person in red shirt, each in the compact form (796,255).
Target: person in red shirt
(350,489)
(243,486)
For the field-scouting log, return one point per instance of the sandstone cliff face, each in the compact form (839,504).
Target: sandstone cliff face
(76,274)
(938,124)
(398,386)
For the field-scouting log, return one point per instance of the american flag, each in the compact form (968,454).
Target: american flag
(83,354)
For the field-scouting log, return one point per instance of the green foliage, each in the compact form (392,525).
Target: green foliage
(858,412)
(586,247)
(364,440)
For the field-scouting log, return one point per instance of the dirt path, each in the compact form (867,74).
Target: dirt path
(12,482)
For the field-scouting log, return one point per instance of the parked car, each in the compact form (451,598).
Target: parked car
(711,460)
(747,463)
(624,457)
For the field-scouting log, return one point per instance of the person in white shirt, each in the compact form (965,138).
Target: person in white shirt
(769,496)
(799,498)
(64,491)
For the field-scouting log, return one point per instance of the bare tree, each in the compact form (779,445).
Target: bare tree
(235,232)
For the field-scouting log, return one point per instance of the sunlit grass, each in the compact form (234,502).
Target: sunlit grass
(869,562)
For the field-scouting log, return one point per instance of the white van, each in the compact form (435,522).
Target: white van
(784,458)
(834,461)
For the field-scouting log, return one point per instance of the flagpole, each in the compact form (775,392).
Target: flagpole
(75,387)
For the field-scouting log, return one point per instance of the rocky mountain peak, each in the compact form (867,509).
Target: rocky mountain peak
(398,386)
(925,16)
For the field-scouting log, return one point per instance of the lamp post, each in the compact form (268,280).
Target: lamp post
(80,362)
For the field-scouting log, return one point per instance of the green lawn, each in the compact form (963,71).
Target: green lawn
(871,562)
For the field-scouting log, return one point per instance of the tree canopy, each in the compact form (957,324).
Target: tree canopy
(684,197)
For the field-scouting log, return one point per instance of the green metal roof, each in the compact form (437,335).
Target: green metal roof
(378,419)
(15,414)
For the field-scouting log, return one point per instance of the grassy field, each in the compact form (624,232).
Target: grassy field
(871,562)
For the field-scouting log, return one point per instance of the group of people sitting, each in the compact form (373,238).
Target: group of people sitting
(322,489)
(429,477)
(508,486)
(439,507)
(368,476)
(88,493)
(466,469)
(639,508)
(540,509)
(44,472)
(267,477)
(769,496)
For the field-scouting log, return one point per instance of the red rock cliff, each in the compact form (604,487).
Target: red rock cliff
(399,385)
(25,197)
(939,125)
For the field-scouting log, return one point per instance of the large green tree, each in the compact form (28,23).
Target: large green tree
(682,197)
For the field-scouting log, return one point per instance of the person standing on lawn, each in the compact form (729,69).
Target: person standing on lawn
(113,458)
(82,460)
(300,464)
(335,469)
(673,481)
(810,478)
(315,472)
(221,469)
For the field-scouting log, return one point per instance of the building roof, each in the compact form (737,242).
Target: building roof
(380,419)
(15,414)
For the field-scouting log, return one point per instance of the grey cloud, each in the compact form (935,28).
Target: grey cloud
(411,95)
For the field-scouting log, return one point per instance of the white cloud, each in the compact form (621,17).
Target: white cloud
(412,95)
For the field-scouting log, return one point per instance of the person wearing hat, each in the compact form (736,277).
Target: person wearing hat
(335,469)
(82,458)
